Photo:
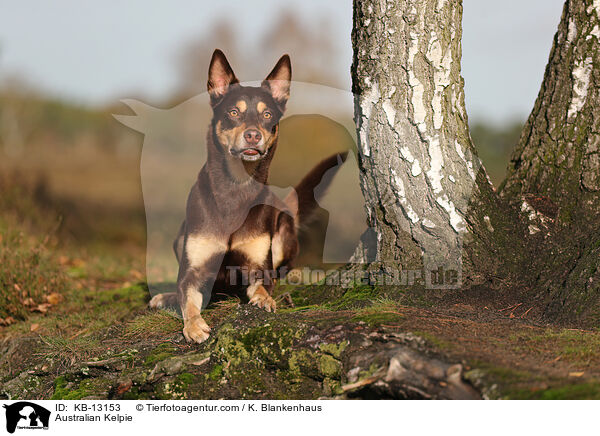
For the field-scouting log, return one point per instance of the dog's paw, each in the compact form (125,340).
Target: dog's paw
(162,301)
(262,299)
(196,329)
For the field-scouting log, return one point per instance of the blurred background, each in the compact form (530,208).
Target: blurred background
(70,172)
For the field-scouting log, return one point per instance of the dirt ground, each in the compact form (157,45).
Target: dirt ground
(101,341)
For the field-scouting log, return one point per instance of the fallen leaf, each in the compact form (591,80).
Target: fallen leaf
(29,302)
(124,387)
(576,374)
(42,308)
(7,321)
(34,327)
(63,260)
(54,298)
(78,263)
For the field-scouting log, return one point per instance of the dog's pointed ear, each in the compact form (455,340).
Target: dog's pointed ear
(220,76)
(278,80)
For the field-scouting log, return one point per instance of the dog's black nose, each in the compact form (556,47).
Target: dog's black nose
(252,136)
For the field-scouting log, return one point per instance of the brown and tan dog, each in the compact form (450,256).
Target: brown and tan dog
(234,222)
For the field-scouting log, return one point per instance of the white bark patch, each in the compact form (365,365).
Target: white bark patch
(419,111)
(399,185)
(415,170)
(594,32)
(530,211)
(594,6)
(390,112)
(488,223)
(418,90)
(581,81)
(456,220)
(428,223)
(366,103)
(437,163)
(464,158)
(571,31)
(406,154)
(441,76)
(537,219)
(401,196)
(440,5)
(412,215)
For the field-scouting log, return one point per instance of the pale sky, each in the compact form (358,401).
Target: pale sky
(101,52)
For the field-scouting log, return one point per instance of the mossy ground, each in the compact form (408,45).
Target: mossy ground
(101,341)
(120,349)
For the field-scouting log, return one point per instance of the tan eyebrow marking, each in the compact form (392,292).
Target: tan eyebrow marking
(242,106)
(261,106)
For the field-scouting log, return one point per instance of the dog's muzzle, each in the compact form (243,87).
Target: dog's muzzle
(249,154)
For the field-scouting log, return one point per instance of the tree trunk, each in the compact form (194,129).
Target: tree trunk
(554,175)
(558,155)
(421,172)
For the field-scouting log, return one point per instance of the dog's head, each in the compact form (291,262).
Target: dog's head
(246,119)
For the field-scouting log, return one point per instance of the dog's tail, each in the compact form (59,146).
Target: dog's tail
(304,199)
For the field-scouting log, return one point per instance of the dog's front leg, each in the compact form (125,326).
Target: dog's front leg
(191,299)
(202,257)
(192,296)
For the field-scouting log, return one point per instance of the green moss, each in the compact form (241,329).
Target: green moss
(433,340)
(329,366)
(216,373)
(65,390)
(357,297)
(162,352)
(186,378)
(373,368)
(135,394)
(132,296)
(229,346)
(376,318)
(574,345)
(334,349)
(304,362)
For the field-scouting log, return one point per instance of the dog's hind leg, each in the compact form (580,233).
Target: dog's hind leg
(178,243)
(164,301)
(284,246)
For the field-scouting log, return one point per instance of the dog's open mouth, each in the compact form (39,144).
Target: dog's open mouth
(248,154)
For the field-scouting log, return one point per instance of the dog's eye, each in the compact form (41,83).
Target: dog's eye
(234,112)
(267,114)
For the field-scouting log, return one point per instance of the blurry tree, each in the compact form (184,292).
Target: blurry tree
(311,48)
(312,51)
(494,144)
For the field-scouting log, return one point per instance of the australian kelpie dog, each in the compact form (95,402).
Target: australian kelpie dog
(234,222)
